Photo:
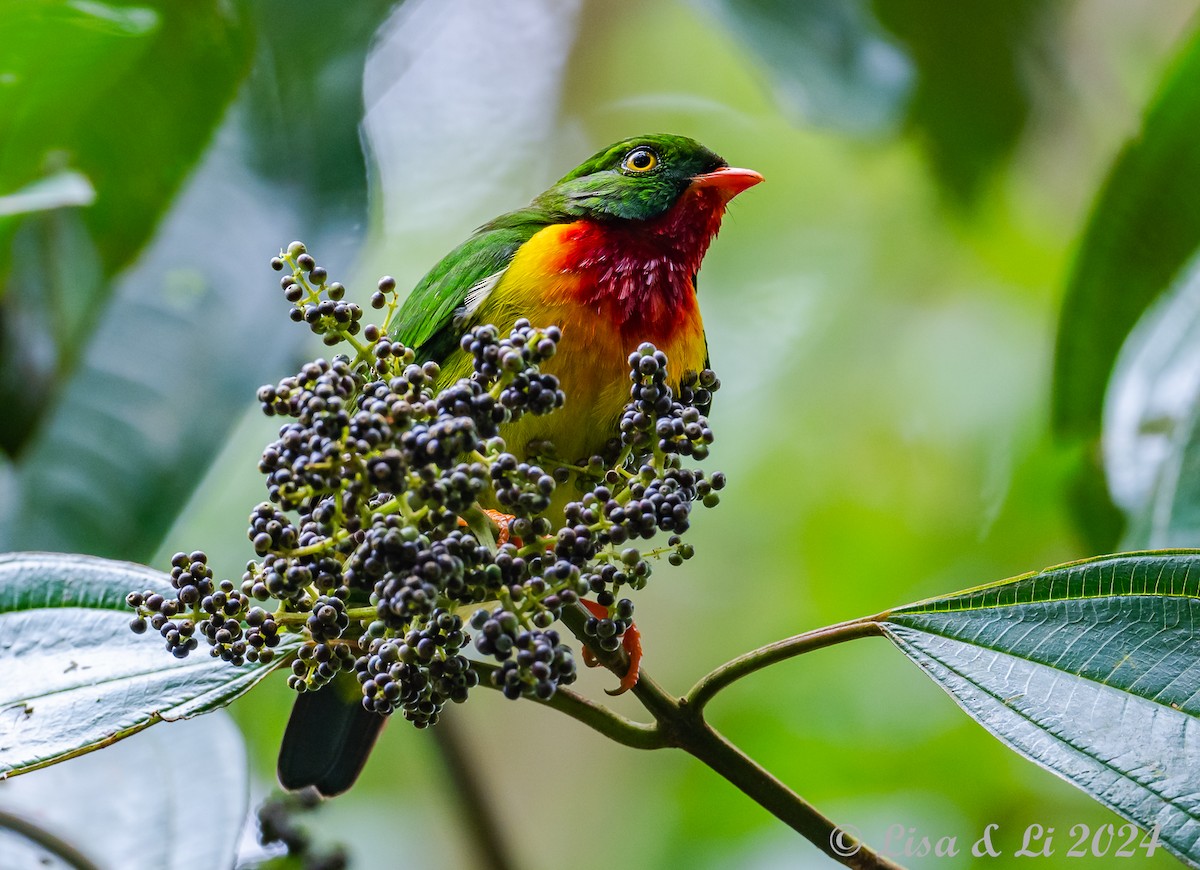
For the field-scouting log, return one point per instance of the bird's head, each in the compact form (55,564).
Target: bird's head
(644,177)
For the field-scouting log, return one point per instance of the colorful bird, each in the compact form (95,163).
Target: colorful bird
(610,255)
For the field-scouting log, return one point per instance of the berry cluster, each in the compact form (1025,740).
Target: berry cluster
(655,414)
(533,662)
(373,537)
(420,672)
(304,286)
(236,631)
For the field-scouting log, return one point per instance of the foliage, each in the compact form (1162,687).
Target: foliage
(130,339)
(1144,227)
(74,302)
(55,607)
(1086,669)
(50,821)
(58,121)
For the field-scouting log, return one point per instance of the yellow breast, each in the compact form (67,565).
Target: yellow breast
(544,284)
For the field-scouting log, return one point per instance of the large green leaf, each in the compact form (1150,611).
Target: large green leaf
(79,80)
(131,415)
(1152,421)
(171,367)
(326,92)
(76,678)
(145,790)
(972,94)
(954,72)
(1144,226)
(1091,670)
(828,61)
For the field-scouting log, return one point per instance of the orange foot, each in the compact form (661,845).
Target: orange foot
(631,640)
(501,520)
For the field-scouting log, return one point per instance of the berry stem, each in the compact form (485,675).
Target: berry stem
(540,545)
(299,617)
(744,665)
(400,503)
(392,305)
(362,352)
(320,546)
(482,526)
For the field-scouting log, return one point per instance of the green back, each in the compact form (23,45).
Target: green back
(426,320)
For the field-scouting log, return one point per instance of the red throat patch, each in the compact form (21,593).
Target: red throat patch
(641,274)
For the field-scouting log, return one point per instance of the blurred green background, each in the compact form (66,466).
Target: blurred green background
(882,313)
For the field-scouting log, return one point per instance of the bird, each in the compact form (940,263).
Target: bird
(610,255)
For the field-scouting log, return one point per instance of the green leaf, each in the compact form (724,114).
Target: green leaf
(1144,226)
(72,76)
(154,399)
(129,416)
(75,73)
(1152,421)
(144,794)
(1090,669)
(971,99)
(829,62)
(76,677)
(327,90)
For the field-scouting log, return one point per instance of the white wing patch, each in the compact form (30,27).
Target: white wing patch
(475,297)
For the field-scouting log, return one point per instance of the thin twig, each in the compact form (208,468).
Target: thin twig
(637,735)
(52,843)
(705,743)
(681,724)
(491,849)
(744,665)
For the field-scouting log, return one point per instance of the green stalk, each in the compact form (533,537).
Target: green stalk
(484,827)
(781,650)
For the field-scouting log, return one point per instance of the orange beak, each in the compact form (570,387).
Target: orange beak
(727,180)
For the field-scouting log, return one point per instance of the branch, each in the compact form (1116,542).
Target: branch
(52,843)
(681,724)
(705,743)
(492,851)
(637,735)
(744,665)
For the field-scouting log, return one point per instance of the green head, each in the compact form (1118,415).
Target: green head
(642,178)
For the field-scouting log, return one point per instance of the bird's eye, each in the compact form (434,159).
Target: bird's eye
(640,160)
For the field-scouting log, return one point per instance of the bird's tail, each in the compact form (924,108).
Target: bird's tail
(328,738)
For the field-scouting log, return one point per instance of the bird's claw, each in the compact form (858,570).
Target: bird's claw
(501,520)
(631,641)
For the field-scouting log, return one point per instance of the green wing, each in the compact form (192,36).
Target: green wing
(429,321)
